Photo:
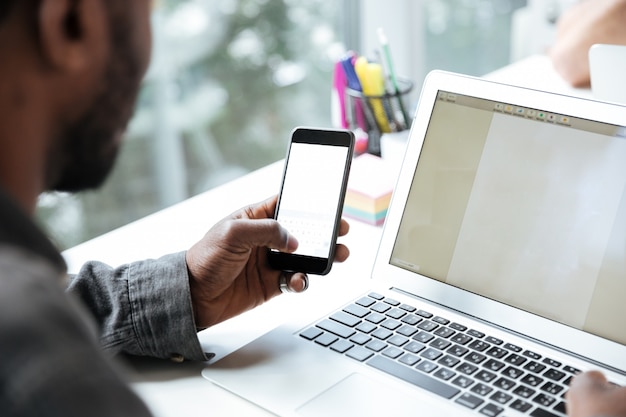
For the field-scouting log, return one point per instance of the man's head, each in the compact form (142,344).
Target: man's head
(73,70)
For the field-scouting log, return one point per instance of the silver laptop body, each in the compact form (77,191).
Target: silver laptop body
(505,239)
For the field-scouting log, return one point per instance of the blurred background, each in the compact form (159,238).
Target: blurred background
(230,79)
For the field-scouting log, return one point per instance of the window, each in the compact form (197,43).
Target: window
(230,79)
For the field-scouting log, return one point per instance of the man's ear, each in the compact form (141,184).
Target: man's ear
(73,34)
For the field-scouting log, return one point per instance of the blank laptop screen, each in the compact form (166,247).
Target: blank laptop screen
(523,207)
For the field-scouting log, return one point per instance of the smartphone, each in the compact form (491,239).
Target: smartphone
(311,197)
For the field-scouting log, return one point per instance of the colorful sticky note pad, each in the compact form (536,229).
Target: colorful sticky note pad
(369,191)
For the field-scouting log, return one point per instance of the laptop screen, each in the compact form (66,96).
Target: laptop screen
(524,207)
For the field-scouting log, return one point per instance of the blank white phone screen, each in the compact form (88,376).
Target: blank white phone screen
(310,195)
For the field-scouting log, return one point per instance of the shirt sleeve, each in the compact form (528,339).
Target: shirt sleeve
(142,308)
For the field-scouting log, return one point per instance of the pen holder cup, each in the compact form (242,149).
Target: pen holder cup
(379,114)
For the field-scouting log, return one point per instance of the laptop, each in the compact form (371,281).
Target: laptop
(499,274)
(607,65)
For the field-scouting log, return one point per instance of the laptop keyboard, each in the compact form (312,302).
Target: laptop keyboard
(449,359)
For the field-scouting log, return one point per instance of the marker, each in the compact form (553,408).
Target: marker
(385,45)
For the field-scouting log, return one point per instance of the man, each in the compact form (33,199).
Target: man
(587,23)
(69,74)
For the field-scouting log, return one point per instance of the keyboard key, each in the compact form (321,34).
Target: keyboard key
(397,340)
(493,340)
(479,345)
(444,374)
(552,388)
(524,391)
(365,301)
(476,358)
(554,375)
(552,362)
(491,410)
(357,310)
(380,307)
(326,339)
(501,397)
(396,313)
(426,366)
(427,325)
(360,339)
(457,350)
(409,359)
(406,330)
(431,354)
(504,383)
(485,376)
(392,352)
(571,370)
(512,372)
(463,381)
(560,407)
(444,332)
(475,333)
(311,333)
(481,389)
(375,318)
(391,301)
(461,338)
(532,380)
(423,337)
(496,352)
(424,314)
(458,327)
(544,400)
(440,320)
(341,346)
(515,359)
(532,355)
(469,400)
(381,333)
(366,327)
(390,324)
(440,344)
(493,365)
(415,347)
(376,296)
(411,319)
(521,405)
(359,353)
(376,345)
(467,368)
(449,361)
(407,307)
(534,367)
(336,328)
(540,412)
(345,318)
(416,378)
(512,347)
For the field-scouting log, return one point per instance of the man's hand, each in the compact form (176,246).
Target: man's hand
(587,23)
(228,268)
(590,395)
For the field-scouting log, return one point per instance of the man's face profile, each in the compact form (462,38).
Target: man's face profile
(88,146)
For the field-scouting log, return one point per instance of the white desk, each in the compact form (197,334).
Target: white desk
(178,389)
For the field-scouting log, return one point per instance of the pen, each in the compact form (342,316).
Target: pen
(371,78)
(385,45)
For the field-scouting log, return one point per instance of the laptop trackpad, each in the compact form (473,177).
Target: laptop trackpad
(358,395)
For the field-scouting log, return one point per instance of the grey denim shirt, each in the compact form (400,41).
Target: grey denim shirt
(57,340)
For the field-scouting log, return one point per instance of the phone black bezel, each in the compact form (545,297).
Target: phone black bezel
(329,137)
